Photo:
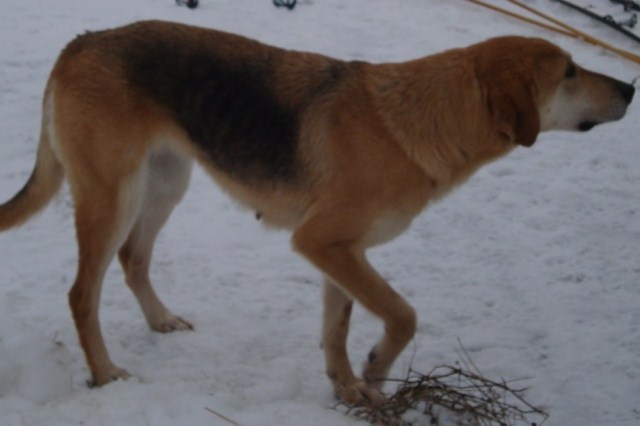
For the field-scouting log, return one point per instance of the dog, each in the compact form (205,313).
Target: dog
(343,154)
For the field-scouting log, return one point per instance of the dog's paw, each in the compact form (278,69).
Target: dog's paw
(359,393)
(111,374)
(169,323)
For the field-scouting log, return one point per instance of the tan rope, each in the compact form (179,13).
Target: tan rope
(523,18)
(586,37)
(561,27)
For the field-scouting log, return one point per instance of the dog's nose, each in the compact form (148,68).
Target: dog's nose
(626,90)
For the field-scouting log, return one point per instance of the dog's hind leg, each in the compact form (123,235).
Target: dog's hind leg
(104,215)
(166,182)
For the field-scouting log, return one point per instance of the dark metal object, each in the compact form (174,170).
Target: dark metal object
(191,4)
(289,4)
(605,19)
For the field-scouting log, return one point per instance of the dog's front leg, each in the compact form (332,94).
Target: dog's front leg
(345,264)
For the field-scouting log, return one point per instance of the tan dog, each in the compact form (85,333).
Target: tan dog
(345,154)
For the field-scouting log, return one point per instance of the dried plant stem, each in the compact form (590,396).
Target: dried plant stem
(461,392)
(225,418)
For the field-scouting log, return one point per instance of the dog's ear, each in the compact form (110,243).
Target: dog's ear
(515,112)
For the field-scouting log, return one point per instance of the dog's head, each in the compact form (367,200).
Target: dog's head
(532,85)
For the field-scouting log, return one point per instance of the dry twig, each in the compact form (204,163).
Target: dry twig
(455,395)
(225,418)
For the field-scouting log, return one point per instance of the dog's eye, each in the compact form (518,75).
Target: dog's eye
(571,71)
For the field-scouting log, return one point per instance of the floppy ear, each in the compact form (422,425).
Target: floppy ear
(515,112)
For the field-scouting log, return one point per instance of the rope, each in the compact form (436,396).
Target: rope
(558,26)
(523,18)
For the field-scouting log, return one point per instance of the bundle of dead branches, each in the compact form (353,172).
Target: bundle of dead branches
(453,395)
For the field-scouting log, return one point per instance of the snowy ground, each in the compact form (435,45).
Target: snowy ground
(534,264)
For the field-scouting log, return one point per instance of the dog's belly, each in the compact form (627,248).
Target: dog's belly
(387,227)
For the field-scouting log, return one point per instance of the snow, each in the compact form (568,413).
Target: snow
(533,264)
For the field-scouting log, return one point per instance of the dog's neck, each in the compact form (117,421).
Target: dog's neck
(449,147)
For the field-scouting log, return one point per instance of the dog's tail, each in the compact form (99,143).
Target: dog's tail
(45,181)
